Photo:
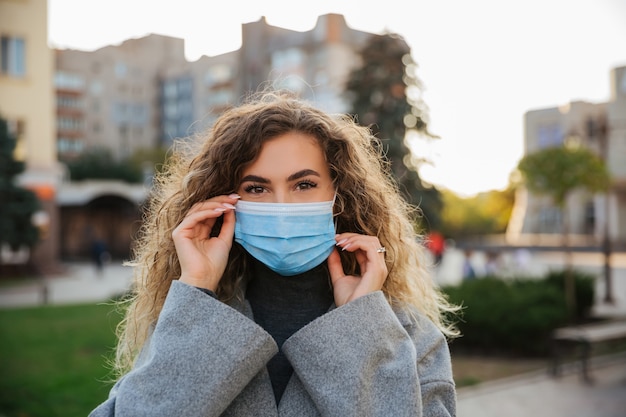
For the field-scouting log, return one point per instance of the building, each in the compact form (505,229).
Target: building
(193,94)
(108,98)
(27,103)
(600,127)
(315,64)
(143,93)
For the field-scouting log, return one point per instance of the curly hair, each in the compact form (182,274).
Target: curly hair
(367,202)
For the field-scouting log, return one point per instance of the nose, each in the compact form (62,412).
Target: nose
(282,197)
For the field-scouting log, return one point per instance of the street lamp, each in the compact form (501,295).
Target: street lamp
(598,129)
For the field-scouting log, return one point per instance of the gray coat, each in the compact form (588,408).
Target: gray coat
(206,358)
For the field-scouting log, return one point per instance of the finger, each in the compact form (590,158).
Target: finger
(366,252)
(345,240)
(352,242)
(214,202)
(334,266)
(227,232)
(202,218)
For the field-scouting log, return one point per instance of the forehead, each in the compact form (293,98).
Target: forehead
(289,152)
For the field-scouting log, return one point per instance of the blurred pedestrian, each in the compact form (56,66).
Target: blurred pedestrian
(468,268)
(99,255)
(492,266)
(436,243)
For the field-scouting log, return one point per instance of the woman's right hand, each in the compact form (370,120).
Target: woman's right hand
(203,258)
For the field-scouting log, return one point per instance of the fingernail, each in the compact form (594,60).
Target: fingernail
(234,196)
(228,205)
(219,209)
(346,247)
(342,241)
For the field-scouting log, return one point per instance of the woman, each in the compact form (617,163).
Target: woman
(278,274)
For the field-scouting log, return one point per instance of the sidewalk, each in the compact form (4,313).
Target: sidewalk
(539,395)
(79,283)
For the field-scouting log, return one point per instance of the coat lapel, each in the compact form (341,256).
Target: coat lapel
(257,399)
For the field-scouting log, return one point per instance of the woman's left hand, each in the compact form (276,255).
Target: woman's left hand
(371,262)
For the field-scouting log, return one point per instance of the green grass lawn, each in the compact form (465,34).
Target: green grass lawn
(53,360)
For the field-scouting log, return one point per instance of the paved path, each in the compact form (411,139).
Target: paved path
(539,395)
(78,283)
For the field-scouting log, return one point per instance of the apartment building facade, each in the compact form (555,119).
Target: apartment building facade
(109,97)
(143,93)
(600,127)
(27,103)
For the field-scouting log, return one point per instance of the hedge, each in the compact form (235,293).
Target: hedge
(516,316)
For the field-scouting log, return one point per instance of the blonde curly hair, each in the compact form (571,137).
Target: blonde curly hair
(367,202)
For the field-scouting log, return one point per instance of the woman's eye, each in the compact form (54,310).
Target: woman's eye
(254,189)
(305,185)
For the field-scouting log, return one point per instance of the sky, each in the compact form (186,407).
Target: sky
(483,63)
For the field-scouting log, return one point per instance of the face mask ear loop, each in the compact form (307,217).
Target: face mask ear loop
(334,217)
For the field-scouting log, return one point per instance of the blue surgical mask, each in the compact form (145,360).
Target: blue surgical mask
(288,238)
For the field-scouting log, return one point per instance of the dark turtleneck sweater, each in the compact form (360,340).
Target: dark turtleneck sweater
(282,306)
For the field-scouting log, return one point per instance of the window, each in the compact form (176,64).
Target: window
(289,66)
(69,123)
(217,74)
(220,97)
(68,102)
(67,145)
(139,114)
(170,89)
(549,135)
(171,109)
(120,70)
(96,88)
(68,81)
(289,60)
(12,61)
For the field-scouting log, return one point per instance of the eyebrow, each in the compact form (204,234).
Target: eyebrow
(303,173)
(292,177)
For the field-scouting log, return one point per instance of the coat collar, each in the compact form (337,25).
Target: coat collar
(257,399)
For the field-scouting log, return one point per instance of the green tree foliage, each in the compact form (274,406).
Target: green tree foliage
(154,159)
(98,163)
(385,94)
(17,205)
(557,171)
(482,214)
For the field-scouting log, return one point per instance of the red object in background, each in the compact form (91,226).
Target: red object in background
(436,243)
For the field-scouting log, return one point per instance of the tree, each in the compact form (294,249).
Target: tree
(385,94)
(149,161)
(483,214)
(557,172)
(18,205)
(98,163)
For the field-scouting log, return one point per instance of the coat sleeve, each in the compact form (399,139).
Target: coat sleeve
(361,360)
(200,356)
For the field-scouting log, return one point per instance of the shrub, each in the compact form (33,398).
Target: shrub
(99,164)
(514,316)
(585,292)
